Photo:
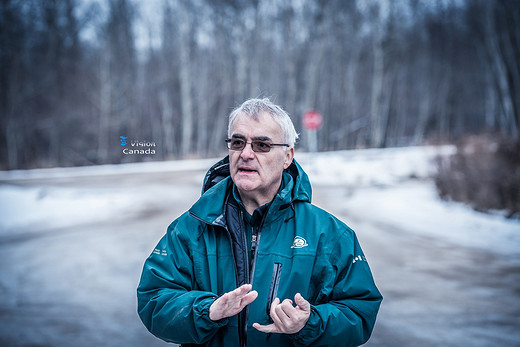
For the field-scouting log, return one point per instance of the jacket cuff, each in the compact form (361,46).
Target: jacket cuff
(311,331)
(202,311)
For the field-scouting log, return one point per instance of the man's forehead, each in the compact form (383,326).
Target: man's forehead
(265,127)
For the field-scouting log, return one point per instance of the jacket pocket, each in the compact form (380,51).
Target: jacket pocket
(273,289)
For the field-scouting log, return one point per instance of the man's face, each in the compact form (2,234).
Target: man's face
(258,174)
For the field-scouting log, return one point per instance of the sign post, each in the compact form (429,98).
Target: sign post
(312,121)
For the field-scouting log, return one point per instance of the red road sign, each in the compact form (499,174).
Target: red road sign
(312,120)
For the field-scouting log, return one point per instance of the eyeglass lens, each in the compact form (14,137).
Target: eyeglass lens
(257,146)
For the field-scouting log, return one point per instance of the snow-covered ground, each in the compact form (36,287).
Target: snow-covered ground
(51,206)
(393,183)
(393,186)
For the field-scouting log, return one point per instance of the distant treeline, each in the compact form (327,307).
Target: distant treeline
(76,75)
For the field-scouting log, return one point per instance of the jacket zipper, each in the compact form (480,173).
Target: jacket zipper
(273,289)
(255,242)
(242,316)
(253,248)
(254,251)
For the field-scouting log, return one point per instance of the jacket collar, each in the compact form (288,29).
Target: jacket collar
(218,185)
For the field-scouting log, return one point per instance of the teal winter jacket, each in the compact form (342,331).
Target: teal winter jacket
(300,248)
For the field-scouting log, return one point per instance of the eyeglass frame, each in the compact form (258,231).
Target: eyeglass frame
(253,146)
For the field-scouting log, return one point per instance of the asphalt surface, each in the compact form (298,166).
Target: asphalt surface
(75,285)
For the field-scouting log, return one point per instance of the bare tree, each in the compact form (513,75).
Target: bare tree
(117,71)
(502,43)
(13,55)
(380,76)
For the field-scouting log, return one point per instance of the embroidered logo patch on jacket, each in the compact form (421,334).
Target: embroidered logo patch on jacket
(299,242)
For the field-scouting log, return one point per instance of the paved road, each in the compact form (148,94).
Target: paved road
(75,286)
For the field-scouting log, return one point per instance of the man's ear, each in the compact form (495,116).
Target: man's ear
(289,155)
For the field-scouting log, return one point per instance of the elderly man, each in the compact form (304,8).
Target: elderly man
(253,262)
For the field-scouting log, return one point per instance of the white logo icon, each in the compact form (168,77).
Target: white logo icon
(299,242)
(359,258)
(160,252)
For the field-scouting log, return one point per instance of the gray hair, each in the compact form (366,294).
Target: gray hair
(253,107)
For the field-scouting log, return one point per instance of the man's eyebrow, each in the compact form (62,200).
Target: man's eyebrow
(262,138)
(256,138)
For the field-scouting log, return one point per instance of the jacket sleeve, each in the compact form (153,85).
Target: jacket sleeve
(349,315)
(167,303)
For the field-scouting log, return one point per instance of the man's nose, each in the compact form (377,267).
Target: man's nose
(247,152)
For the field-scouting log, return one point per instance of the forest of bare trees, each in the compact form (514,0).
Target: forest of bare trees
(76,75)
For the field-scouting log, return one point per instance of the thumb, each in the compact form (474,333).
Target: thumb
(302,303)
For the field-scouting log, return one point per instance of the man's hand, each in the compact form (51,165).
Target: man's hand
(232,302)
(287,319)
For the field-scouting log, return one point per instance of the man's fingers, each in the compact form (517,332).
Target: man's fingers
(233,302)
(274,314)
(303,304)
(249,297)
(242,296)
(286,312)
(271,328)
(240,291)
(288,319)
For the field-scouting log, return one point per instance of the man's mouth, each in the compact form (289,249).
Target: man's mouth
(246,170)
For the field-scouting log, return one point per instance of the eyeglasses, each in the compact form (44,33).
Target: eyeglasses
(256,146)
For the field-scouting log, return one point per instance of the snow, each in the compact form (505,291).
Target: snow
(415,208)
(51,206)
(391,186)
(394,187)
(107,170)
(371,167)
(28,206)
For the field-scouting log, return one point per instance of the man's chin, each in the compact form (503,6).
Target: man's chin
(246,184)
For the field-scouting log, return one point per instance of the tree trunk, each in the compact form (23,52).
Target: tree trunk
(12,143)
(167,124)
(104,108)
(186,87)
(377,121)
(507,119)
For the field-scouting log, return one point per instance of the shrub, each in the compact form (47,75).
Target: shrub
(484,173)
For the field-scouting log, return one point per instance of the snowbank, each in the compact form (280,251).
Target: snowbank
(46,207)
(389,186)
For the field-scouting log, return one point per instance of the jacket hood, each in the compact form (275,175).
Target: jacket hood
(217,183)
